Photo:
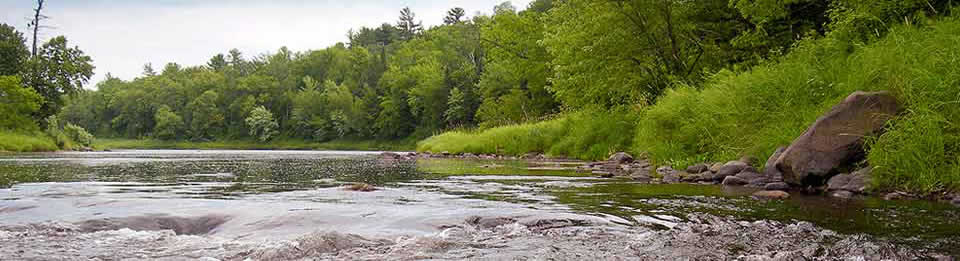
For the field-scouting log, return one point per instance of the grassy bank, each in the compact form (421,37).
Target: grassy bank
(589,135)
(398,145)
(26,142)
(755,112)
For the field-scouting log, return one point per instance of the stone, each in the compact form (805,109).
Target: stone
(603,174)
(489,222)
(698,168)
(734,181)
(621,158)
(390,155)
(690,178)
(836,138)
(841,194)
(956,200)
(643,176)
(770,168)
(749,175)
(776,186)
(669,175)
(730,169)
(771,194)
(855,182)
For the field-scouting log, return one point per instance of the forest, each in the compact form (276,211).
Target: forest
(679,81)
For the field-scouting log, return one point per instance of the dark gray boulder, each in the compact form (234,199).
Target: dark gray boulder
(669,175)
(836,138)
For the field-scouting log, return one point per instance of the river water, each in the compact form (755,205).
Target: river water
(297,205)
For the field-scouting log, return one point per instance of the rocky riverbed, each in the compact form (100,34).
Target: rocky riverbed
(236,205)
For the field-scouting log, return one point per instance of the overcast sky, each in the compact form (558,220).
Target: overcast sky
(123,35)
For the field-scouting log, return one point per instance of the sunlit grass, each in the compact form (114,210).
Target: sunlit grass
(23,142)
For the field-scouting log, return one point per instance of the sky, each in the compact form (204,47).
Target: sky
(123,35)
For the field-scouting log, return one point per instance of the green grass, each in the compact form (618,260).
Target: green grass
(588,135)
(287,144)
(755,112)
(26,142)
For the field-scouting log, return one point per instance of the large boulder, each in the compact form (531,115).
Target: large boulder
(734,181)
(621,158)
(836,138)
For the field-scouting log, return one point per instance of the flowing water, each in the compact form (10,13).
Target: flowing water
(293,205)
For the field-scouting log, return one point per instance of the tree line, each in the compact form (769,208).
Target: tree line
(402,80)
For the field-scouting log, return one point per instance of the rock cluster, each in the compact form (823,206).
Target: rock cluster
(620,164)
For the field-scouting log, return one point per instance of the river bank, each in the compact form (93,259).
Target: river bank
(282,144)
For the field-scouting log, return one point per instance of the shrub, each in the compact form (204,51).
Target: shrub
(261,123)
(78,134)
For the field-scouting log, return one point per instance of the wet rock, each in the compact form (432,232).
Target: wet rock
(641,176)
(730,169)
(699,168)
(956,201)
(489,222)
(86,149)
(669,175)
(771,194)
(835,139)
(855,182)
(621,158)
(390,155)
(777,186)
(734,181)
(179,225)
(841,194)
(690,178)
(361,187)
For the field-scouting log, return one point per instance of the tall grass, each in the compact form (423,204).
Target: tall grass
(588,134)
(25,142)
(755,112)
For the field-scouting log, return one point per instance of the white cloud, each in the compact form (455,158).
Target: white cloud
(122,36)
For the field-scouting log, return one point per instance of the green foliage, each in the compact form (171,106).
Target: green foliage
(589,134)
(17,103)
(169,124)
(57,71)
(262,125)
(13,50)
(755,112)
(78,135)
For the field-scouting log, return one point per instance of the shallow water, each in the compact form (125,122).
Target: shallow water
(267,205)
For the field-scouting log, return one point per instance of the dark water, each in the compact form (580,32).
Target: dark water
(270,205)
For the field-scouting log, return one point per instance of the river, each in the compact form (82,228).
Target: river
(297,205)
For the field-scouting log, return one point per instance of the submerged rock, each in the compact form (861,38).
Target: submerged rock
(896,195)
(776,186)
(835,139)
(771,194)
(841,194)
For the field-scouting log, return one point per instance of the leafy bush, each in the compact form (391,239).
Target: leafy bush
(78,134)
(169,124)
(261,123)
(26,142)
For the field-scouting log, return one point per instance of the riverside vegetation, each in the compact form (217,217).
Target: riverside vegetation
(681,82)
